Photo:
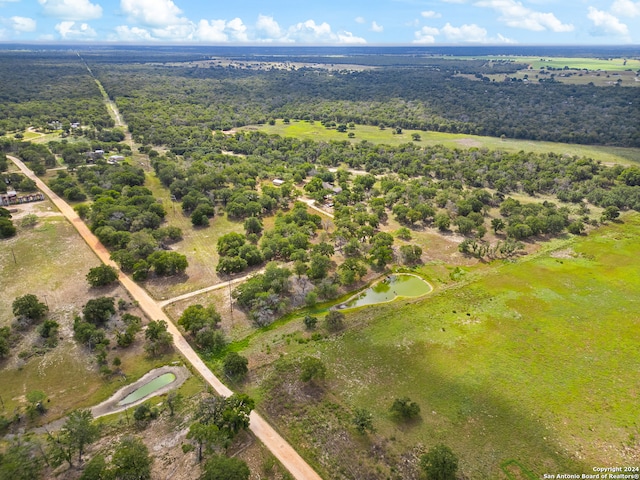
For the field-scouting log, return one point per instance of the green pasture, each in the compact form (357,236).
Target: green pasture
(315,131)
(531,362)
(609,64)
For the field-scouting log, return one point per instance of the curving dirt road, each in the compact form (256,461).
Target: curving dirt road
(284,452)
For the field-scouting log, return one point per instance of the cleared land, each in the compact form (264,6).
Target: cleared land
(315,131)
(533,360)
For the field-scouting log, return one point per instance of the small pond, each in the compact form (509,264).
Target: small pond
(388,289)
(148,388)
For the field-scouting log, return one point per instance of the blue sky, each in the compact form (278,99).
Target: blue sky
(326,22)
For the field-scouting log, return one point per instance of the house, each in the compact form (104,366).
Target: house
(113,159)
(330,186)
(278,182)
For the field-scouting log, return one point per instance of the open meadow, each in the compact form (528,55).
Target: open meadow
(532,360)
(317,132)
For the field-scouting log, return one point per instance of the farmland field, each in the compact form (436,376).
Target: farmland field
(513,361)
(317,132)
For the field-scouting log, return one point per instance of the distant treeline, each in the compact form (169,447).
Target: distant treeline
(167,105)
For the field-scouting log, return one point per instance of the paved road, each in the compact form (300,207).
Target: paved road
(271,439)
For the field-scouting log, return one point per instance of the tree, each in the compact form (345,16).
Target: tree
(497,224)
(310,322)
(77,432)
(334,321)
(7,229)
(36,400)
(404,408)
(411,254)
(576,228)
(99,310)
(223,468)
(442,221)
(95,469)
(197,317)
(102,275)
(131,460)
(611,212)
(29,307)
(319,266)
(235,365)
(19,462)
(439,463)
(312,368)
(158,338)
(363,420)
(168,263)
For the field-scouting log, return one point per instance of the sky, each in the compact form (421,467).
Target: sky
(325,22)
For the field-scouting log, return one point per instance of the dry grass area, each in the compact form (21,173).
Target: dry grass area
(51,262)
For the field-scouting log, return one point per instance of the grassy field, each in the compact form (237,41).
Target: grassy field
(315,131)
(609,65)
(533,361)
(51,261)
(198,244)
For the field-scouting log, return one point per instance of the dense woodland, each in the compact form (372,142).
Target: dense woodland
(168,105)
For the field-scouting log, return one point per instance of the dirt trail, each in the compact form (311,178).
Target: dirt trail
(284,452)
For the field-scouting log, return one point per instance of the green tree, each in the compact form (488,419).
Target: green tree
(99,310)
(404,408)
(439,463)
(95,469)
(442,221)
(196,317)
(310,322)
(131,460)
(7,229)
(158,338)
(36,400)
(223,468)
(20,462)
(102,275)
(497,224)
(29,307)
(363,420)
(312,368)
(411,254)
(334,321)
(235,365)
(76,433)
(611,212)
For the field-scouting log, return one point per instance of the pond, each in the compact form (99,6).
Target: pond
(148,388)
(389,289)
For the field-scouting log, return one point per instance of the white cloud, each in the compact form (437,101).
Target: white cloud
(376,28)
(606,24)
(626,8)
(125,33)
(426,35)
(349,39)
(23,24)
(74,31)
(268,29)
(211,31)
(516,15)
(360,20)
(153,13)
(465,33)
(238,30)
(71,9)
(430,14)
(311,32)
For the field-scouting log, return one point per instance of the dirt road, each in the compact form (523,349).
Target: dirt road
(262,430)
